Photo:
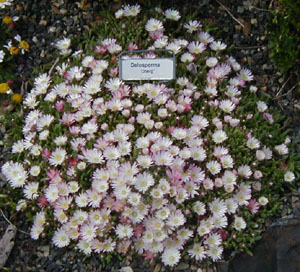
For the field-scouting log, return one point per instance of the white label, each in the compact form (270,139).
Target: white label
(147,69)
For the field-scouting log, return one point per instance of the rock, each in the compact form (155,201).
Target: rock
(182,266)
(240,9)
(253,21)
(157,268)
(126,269)
(278,251)
(7,243)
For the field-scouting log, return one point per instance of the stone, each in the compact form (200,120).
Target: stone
(278,251)
(126,269)
(240,9)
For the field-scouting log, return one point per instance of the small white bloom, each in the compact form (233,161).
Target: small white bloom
(289,176)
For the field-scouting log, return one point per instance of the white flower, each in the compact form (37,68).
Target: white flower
(124,231)
(211,62)
(282,149)
(187,57)
(154,25)
(218,46)
(192,26)
(31,190)
(51,193)
(263,201)
(213,167)
(172,14)
(219,136)
(57,156)
(36,231)
(199,208)
(133,10)
(245,171)
(171,256)
(289,176)
(5,3)
(2,54)
(239,223)
(218,207)
(88,232)
(253,143)
(197,252)
(215,253)
(63,44)
(245,74)
(227,106)
(179,133)
(261,106)
(198,154)
(119,13)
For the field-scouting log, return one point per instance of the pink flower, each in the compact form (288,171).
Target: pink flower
(187,108)
(60,105)
(100,49)
(114,72)
(174,174)
(46,154)
(148,255)
(132,47)
(74,130)
(156,34)
(138,230)
(53,175)
(43,202)
(257,174)
(253,206)
(268,117)
(72,162)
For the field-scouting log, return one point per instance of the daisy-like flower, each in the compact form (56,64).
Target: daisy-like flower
(172,14)
(143,182)
(174,47)
(113,84)
(215,252)
(85,247)
(239,223)
(213,240)
(253,143)
(213,167)
(179,133)
(261,106)
(218,207)
(170,256)
(61,238)
(133,10)
(289,176)
(154,25)
(282,149)
(196,47)
(218,46)
(245,74)
(219,136)
(205,37)
(163,158)
(263,201)
(197,252)
(57,157)
(198,154)
(192,26)
(227,161)
(124,231)
(88,232)
(187,57)
(245,171)
(63,45)
(18,147)
(227,106)
(31,190)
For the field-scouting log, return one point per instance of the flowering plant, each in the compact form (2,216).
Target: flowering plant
(191,167)
(11,45)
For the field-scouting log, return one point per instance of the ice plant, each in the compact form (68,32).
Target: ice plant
(158,169)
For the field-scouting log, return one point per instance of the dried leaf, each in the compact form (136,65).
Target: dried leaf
(7,243)
(55,9)
(247,28)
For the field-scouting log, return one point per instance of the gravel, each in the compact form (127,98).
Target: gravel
(42,22)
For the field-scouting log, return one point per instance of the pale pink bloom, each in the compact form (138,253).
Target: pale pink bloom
(253,206)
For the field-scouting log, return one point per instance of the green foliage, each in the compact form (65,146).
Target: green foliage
(284,34)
